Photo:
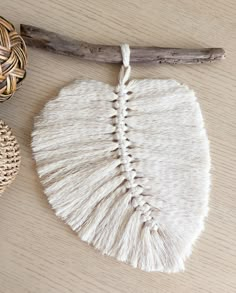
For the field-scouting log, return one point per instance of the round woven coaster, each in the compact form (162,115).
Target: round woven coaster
(9,156)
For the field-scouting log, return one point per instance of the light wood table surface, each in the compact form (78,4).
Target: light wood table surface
(38,253)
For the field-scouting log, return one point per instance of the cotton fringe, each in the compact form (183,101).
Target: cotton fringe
(127,167)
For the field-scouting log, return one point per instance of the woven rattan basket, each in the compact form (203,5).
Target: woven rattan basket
(9,156)
(13,59)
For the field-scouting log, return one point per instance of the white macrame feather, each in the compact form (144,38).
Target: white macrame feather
(127,167)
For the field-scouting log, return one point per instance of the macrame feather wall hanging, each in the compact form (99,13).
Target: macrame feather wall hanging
(127,167)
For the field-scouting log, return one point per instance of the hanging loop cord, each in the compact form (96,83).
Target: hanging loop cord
(124,71)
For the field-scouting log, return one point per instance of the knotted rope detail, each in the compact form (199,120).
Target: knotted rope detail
(120,104)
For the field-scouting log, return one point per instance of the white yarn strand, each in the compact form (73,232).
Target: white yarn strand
(127,167)
(124,71)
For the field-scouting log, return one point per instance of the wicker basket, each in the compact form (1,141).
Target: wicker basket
(9,156)
(13,59)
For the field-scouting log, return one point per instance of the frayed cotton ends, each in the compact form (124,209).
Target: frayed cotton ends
(129,173)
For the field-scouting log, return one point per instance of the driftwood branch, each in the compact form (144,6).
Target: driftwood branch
(43,39)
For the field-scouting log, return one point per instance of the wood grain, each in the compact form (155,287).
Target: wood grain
(50,41)
(38,253)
